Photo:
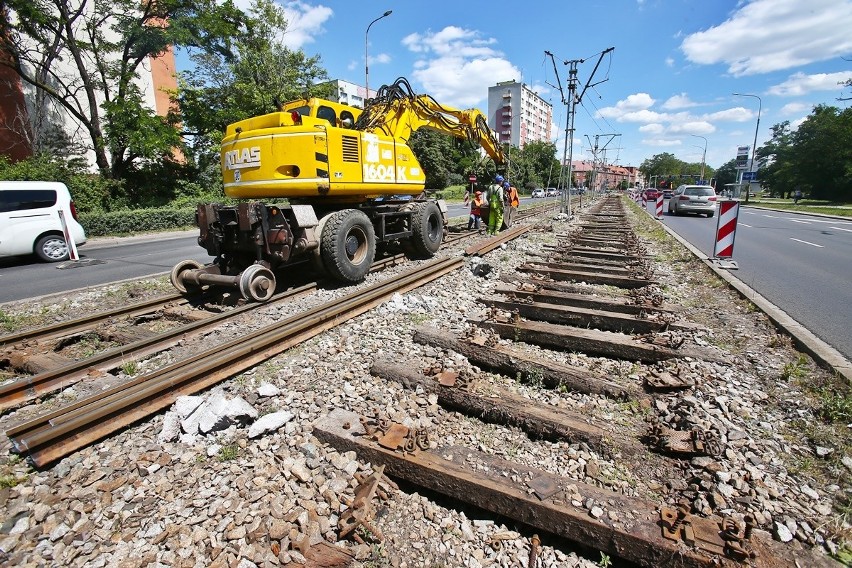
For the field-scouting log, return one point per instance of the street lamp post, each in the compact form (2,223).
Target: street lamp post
(756,128)
(703,156)
(367,55)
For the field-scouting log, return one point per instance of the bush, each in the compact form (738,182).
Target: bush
(136,221)
(452,192)
(91,192)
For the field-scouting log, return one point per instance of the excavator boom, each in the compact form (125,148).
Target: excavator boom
(397,113)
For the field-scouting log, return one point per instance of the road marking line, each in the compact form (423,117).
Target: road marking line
(806,242)
(841,229)
(744,225)
(829,221)
(771,216)
(799,221)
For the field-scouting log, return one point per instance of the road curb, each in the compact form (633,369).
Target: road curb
(825,215)
(823,353)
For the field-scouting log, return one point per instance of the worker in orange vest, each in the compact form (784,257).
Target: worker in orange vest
(475,211)
(512,202)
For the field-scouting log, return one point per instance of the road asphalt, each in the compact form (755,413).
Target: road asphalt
(805,340)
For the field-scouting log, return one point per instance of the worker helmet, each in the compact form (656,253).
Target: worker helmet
(498,179)
(506,184)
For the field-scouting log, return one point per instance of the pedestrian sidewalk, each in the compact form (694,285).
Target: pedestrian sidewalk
(101,242)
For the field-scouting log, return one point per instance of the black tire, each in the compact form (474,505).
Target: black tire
(348,245)
(51,248)
(427,224)
(709,215)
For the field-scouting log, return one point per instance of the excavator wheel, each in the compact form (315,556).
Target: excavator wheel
(348,245)
(427,224)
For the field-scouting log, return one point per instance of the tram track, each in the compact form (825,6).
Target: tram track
(55,434)
(542,307)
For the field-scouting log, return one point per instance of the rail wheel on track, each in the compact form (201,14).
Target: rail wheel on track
(176,279)
(257,283)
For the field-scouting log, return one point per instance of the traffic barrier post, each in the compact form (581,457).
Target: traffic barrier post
(726,231)
(69,238)
(659,207)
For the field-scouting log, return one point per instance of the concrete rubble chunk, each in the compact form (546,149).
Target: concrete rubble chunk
(269,423)
(217,413)
(267,390)
(171,427)
(186,405)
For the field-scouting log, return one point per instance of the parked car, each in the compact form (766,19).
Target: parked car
(651,193)
(29,219)
(538,192)
(693,199)
(552,192)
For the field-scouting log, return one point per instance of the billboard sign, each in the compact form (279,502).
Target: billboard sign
(742,157)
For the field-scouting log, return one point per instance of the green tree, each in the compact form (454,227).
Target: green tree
(434,151)
(727,173)
(779,175)
(822,158)
(541,164)
(83,57)
(251,79)
(662,165)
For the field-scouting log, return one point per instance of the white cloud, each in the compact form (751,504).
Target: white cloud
(678,102)
(304,23)
(799,84)
(455,62)
(670,62)
(661,142)
(795,124)
(692,127)
(380,58)
(652,128)
(767,35)
(794,108)
(736,114)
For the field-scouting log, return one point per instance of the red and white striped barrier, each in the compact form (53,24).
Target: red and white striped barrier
(69,238)
(726,229)
(660,206)
(644,201)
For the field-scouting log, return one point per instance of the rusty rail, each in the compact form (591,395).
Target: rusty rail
(61,432)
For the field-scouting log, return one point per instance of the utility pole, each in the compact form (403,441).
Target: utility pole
(571,103)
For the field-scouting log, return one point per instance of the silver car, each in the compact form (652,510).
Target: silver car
(693,199)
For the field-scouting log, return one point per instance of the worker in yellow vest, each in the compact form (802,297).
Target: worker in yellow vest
(495,205)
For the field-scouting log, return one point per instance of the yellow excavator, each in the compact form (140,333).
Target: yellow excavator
(350,181)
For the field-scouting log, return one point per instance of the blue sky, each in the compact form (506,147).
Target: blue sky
(670,78)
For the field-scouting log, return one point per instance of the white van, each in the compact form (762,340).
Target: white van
(29,219)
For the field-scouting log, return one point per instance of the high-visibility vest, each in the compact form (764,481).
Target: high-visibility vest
(513,196)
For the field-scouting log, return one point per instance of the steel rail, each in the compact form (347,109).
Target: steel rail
(87,322)
(61,432)
(29,388)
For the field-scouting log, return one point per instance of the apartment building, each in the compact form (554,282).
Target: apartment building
(518,115)
(26,114)
(348,93)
